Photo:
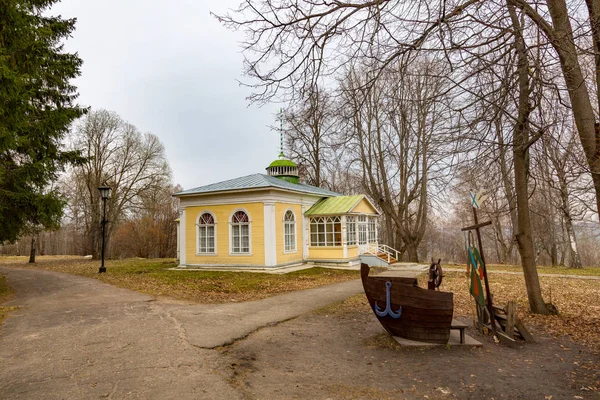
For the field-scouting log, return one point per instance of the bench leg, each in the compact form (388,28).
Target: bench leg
(462,336)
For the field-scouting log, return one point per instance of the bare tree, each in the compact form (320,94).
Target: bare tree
(150,232)
(393,130)
(311,39)
(118,155)
(309,128)
(560,149)
(315,41)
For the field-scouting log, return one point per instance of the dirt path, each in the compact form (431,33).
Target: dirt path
(345,354)
(76,338)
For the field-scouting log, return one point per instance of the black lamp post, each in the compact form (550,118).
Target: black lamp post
(105,193)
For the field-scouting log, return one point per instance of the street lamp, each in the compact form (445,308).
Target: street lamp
(105,193)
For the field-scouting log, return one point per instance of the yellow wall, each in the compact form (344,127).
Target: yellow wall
(352,251)
(364,207)
(222,215)
(326,253)
(280,209)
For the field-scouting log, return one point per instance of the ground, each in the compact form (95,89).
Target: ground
(76,337)
(342,353)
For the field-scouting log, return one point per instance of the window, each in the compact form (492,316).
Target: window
(289,231)
(240,233)
(362,229)
(350,230)
(372,229)
(206,234)
(326,231)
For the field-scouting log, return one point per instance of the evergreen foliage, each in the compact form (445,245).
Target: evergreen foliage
(37,106)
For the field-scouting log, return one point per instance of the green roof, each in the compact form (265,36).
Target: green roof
(335,205)
(282,163)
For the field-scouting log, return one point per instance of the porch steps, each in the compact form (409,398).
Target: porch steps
(384,256)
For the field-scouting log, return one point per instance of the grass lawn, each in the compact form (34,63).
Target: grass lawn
(153,277)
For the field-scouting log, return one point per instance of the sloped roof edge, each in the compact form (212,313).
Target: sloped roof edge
(256,181)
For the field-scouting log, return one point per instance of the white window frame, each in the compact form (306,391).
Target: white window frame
(351,230)
(372,231)
(328,225)
(205,253)
(362,230)
(231,252)
(294,249)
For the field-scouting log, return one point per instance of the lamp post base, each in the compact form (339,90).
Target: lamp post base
(101,270)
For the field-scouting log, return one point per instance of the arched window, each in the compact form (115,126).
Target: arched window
(289,231)
(240,233)
(206,234)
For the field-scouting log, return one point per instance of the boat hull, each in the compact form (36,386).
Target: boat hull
(426,315)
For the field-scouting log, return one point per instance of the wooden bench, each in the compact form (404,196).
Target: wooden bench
(457,325)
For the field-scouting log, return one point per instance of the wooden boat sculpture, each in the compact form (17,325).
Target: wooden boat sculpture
(408,311)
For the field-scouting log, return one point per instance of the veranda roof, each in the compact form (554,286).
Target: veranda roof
(336,205)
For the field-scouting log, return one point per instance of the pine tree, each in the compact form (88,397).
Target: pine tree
(37,106)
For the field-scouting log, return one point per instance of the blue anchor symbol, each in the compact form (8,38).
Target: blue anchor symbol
(388,306)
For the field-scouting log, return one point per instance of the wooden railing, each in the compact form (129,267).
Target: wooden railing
(388,252)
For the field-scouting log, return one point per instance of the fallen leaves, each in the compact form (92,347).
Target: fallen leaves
(577,300)
(6,293)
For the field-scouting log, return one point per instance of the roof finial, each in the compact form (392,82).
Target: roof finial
(281,133)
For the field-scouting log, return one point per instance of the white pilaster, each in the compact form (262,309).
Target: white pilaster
(270,235)
(305,232)
(178,239)
(182,238)
(344,241)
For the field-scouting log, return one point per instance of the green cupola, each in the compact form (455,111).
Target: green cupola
(284,169)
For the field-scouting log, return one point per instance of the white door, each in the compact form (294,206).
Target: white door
(363,244)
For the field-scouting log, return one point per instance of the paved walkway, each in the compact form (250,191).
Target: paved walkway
(75,337)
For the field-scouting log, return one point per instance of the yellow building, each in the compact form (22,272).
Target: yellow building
(273,220)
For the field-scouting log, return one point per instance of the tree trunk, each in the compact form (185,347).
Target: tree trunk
(32,250)
(412,249)
(583,112)
(524,240)
(508,188)
(574,259)
(554,254)
(398,245)
(521,167)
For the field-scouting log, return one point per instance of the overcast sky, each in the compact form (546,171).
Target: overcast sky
(170,68)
